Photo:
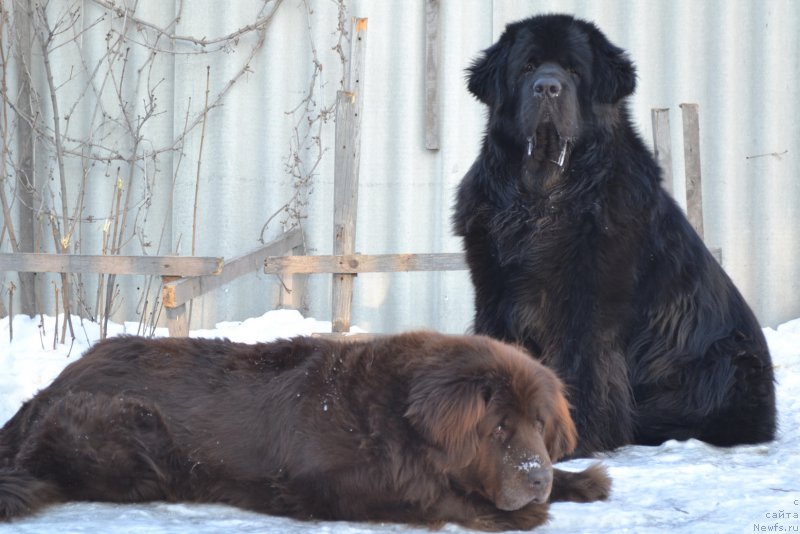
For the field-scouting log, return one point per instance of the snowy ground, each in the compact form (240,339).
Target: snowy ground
(679,486)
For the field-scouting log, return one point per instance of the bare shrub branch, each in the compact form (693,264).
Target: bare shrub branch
(306,147)
(91,124)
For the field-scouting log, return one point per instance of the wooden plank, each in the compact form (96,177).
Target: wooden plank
(364,263)
(286,295)
(347,155)
(341,302)
(662,145)
(354,75)
(291,288)
(34,262)
(433,56)
(178,321)
(175,293)
(691,161)
(345,194)
(347,336)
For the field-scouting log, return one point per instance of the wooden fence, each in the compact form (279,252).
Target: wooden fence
(177,292)
(183,277)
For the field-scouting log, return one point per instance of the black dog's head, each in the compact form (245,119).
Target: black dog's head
(545,76)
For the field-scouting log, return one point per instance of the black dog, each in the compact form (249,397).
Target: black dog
(577,253)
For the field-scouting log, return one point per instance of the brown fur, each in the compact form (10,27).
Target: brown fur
(416,428)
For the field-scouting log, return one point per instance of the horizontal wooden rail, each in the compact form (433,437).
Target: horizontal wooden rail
(364,263)
(34,262)
(178,292)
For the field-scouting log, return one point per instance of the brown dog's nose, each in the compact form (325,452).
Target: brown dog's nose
(540,479)
(547,86)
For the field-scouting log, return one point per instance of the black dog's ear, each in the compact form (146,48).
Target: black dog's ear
(485,75)
(613,74)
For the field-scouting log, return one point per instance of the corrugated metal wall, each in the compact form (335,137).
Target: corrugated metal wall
(739,60)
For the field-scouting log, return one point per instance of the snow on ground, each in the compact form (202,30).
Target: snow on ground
(678,486)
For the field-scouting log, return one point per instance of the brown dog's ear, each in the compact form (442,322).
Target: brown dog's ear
(560,436)
(446,410)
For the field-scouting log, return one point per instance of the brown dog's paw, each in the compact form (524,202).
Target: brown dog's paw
(591,484)
(526,518)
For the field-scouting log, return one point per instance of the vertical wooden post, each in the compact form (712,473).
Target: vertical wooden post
(432,73)
(177,321)
(354,68)
(286,296)
(290,292)
(662,146)
(691,161)
(347,155)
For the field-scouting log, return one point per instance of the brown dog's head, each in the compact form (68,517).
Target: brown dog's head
(496,418)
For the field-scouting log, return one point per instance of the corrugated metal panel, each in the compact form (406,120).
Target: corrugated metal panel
(739,60)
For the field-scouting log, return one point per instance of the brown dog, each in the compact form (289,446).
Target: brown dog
(419,428)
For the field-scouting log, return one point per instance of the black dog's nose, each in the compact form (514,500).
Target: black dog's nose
(547,87)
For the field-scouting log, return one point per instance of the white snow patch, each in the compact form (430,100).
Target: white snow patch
(675,487)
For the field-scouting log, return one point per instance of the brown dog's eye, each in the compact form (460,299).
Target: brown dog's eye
(499,432)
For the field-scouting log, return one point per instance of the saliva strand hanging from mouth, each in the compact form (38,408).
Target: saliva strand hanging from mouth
(554,147)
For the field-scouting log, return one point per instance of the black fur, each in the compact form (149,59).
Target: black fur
(590,264)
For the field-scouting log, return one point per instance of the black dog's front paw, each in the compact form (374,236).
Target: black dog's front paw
(591,484)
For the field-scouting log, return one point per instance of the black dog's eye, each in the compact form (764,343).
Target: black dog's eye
(573,72)
(529,67)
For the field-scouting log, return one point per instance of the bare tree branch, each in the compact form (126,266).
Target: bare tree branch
(91,131)
(258,25)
